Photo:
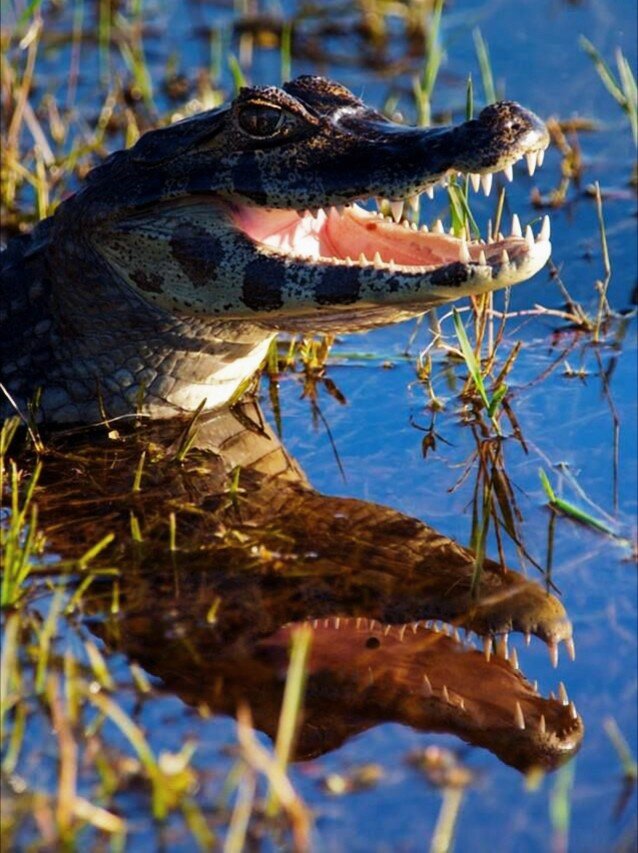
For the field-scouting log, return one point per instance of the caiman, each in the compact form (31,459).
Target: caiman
(257,556)
(162,281)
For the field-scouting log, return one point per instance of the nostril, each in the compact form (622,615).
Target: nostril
(373,643)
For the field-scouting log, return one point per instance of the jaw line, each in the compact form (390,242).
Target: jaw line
(352,236)
(432,680)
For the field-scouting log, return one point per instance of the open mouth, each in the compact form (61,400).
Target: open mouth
(433,679)
(390,240)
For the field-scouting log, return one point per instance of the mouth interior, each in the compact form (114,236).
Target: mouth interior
(433,663)
(388,238)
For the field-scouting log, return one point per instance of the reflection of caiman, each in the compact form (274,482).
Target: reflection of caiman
(162,281)
(256,556)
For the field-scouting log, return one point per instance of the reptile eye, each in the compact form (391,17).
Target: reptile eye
(260,121)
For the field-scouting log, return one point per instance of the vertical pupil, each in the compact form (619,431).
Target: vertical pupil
(260,121)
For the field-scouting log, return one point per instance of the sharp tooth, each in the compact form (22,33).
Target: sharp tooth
(528,638)
(456,635)
(490,236)
(425,229)
(516,226)
(464,253)
(451,231)
(397,210)
(535,686)
(413,203)
(387,630)
(378,262)
(475,180)
(542,725)
(571,648)
(414,226)
(540,157)
(501,646)
(487,648)
(340,208)
(429,191)
(391,265)
(363,260)
(545,229)
(529,237)
(531,161)
(519,719)
(508,171)
(505,258)
(553,653)
(406,224)
(438,227)
(337,622)
(486,183)
(482,258)
(573,713)
(427,687)
(402,631)
(349,261)
(562,693)
(445,694)
(514,659)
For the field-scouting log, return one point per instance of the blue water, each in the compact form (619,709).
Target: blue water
(537,60)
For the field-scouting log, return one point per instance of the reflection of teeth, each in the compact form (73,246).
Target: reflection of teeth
(531,158)
(487,648)
(486,183)
(519,719)
(542,725)
(475,181)
(427,687)
(516,226)
(508,171)
(445,694)
(501,646)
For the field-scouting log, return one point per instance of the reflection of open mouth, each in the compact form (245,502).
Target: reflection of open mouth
(213,619)
(425,676)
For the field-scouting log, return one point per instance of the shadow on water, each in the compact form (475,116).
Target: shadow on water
(260,552)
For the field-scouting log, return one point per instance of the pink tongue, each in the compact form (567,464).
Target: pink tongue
(351,236)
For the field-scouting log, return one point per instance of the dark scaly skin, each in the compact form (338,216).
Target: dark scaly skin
(145,293)
(274,553)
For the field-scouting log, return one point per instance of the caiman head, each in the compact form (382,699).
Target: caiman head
(169,272)
(252,211)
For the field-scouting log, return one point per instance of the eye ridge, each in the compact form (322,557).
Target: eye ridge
(260,120)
